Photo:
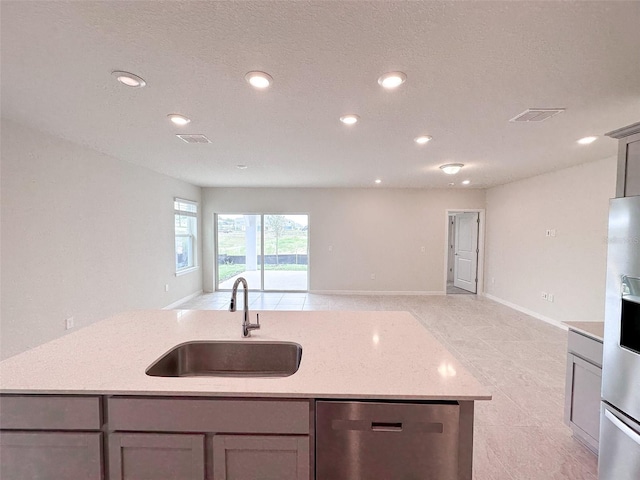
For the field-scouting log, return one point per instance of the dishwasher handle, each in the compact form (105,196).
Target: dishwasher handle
(409,427)
(386,426)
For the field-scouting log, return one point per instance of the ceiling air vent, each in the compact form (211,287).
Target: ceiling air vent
(536,114)
(194,138)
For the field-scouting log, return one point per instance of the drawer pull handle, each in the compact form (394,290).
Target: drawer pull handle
(386,427)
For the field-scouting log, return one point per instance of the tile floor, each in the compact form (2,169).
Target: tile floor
(520,434)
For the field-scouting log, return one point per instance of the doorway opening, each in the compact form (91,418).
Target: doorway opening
(464,251)
(270,251)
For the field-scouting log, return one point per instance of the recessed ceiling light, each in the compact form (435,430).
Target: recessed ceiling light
(451,168)
(241,167)
(587,140)
(129,79)
(422,139)
(349,119)
(259,80)
(378,180)
(178,119)
(466,182)
(392,80)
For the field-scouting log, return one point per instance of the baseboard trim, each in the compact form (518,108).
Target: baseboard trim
(531,313)
(373,292)
(182,300)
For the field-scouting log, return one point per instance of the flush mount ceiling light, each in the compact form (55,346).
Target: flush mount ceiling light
(178,119)
(587,140)
(466,182)
(129,79)
(349,119)
(422,139)
(392,80)
(259,80)
(241,167)
(451,168)
(378,180)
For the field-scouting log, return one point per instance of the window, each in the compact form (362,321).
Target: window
(186,217)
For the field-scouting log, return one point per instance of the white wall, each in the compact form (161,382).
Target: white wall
(571,265)
(371,230)
(83,235)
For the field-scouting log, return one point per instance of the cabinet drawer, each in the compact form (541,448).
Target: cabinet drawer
(208,415)
(44,412)
(585,347)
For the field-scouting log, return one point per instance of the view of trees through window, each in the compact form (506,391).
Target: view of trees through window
(275,258)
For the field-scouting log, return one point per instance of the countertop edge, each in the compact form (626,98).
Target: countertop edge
(304,396)
(573,327)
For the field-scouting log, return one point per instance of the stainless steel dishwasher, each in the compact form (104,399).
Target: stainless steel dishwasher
(386,441)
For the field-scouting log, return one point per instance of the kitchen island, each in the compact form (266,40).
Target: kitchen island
(89,392)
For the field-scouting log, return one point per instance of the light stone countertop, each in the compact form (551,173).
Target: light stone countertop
(367,355)
(594,330)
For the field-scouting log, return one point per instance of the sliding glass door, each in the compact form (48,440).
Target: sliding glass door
(271,258)
(239,248)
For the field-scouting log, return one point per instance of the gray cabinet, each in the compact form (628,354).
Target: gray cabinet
(628,180)
(156,456)
(49,437)
(240,457)
(214,438)
(583,387)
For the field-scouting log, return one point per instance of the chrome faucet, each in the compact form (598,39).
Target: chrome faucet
(247,326)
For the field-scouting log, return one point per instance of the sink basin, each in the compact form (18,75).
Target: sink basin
(229,359)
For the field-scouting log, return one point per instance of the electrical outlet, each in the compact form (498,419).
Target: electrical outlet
(553,232)
(166,287)
(373,276)
(550,297)
(493,280)
(68,323)
(331,248)
(545,296)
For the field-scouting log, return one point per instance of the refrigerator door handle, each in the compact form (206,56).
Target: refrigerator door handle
(629,432)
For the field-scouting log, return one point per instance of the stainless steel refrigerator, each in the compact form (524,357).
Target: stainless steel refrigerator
(620,408)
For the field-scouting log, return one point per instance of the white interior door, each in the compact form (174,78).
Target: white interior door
(465,265)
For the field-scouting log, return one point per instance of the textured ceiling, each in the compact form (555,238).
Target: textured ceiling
(471,66)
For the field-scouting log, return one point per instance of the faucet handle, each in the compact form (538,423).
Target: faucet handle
(248,326)
(254,326)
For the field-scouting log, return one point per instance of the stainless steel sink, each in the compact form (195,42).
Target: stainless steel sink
(229,359)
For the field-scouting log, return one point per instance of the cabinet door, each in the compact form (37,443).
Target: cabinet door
(254,457)
(584,384)
(137,456)
(50,456)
